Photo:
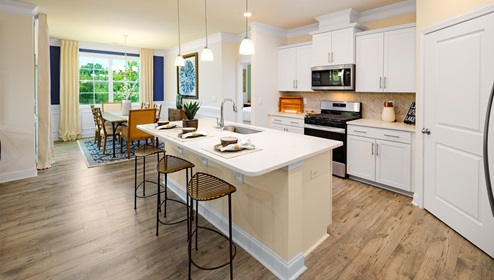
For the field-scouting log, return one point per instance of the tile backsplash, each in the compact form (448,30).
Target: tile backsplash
(372,103)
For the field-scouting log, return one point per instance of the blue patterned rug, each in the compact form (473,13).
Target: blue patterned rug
(95,157)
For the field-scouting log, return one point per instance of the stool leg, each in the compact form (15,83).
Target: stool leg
(143,176)
(230,233)
(197,221)
(186,182)
(158,200)
(189,245)
(135,183)
(166,193)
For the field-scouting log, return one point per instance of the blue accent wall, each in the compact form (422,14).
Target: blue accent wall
(158,78)
(158,74)
(55,75)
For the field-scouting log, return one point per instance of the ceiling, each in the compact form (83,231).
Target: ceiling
(153,23)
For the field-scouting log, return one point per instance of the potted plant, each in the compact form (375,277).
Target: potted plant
(191,108)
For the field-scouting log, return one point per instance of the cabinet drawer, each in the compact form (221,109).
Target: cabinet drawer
(287,121)
(380,133)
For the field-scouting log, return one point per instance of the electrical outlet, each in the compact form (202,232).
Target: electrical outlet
(314,174)
(305,101)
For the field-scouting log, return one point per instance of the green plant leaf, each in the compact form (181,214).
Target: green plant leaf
(191,108)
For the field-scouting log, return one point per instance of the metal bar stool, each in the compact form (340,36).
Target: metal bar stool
(170,164)
(205,187)
(143,152)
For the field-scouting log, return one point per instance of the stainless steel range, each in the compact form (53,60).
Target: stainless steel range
(331,124)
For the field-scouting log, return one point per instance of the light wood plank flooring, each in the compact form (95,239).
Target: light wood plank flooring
(71,222)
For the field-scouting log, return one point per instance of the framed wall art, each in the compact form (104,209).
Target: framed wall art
(188,77)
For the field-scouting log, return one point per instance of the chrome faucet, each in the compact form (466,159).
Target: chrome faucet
(221,124)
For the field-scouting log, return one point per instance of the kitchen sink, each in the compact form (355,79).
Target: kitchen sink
(240,130)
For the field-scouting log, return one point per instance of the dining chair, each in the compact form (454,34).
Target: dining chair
(145,105)
(131,132)
(111,106)
(105,131)
(96,125)
(158,111)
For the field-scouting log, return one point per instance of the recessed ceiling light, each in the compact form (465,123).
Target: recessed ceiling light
(247,14)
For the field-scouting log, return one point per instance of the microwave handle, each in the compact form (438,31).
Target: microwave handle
(342,77)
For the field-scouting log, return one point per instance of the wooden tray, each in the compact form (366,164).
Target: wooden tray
(291,104)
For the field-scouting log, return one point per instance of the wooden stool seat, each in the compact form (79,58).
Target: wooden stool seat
(204,187)
(147,150)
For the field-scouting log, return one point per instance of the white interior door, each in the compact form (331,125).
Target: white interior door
(458,76)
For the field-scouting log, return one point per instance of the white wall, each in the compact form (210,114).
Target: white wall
(264,69)
(17,108)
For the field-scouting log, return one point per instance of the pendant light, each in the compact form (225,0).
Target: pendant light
(179,61)
(246,47)
(207,54)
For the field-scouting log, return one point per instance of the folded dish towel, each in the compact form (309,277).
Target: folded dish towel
(166,126)
(194,134)
(240,145)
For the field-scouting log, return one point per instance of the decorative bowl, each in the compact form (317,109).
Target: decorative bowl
(227,140)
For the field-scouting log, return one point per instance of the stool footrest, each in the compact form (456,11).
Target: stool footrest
(219,233)
(175,222)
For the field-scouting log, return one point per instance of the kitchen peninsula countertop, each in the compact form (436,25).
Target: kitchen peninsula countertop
(277,148)
(380,124)
(283,203)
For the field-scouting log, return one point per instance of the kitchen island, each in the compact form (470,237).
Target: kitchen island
(282,206)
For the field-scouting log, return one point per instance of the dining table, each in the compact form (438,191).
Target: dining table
(115,118)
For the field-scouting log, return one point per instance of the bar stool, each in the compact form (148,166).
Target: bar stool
(170,164)
(143,152)
(205,187)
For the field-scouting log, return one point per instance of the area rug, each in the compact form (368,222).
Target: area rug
(94,157)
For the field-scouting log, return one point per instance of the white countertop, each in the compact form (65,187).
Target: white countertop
(380,124)
(288,115)
(277,148)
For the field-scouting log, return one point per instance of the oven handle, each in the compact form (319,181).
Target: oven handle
(325,128)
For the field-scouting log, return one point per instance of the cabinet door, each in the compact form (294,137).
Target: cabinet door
(321,52)
(343,46)
(304,63)
(369,63)
(277,127)
(399,60)
(360,157)
(294,129)
(393,167)
(287,65)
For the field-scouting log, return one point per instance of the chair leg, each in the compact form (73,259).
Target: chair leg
(104,145)
(128,149)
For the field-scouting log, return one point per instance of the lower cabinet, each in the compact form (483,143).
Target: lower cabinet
(373,158)
(288,124)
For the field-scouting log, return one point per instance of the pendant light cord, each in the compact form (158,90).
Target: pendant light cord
(206,19)
(246,18)
(178,11)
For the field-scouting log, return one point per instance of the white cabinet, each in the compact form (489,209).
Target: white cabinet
(385,60)
(380,155)
(288,124)
(335,47)
(294,65)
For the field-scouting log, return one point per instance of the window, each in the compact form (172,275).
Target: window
(107,78)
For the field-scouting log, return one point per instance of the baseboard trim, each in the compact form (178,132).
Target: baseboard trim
(18,175)
(288,270)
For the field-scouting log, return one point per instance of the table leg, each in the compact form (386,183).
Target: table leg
(114,127)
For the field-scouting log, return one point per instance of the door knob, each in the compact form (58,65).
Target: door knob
(426,131)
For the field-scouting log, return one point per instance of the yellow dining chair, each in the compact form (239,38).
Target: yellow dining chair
(131,132)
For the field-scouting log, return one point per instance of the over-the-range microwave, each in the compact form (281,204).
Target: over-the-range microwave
(333,77)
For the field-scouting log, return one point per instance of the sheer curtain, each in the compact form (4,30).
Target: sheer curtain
(70,120)
(146,76)
(46,150)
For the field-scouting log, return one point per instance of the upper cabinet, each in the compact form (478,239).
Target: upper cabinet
(385,60)
(334,47)
(294,63)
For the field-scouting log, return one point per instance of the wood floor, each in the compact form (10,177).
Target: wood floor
(71,222)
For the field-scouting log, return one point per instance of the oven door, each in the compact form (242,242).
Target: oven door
(339,154)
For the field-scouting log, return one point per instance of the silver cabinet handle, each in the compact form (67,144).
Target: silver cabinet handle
(372,149)
(359,131)
(332,57)
(426,131)
(329,57)
(394,136)
(384,86)
(296,83)
(293,84)
(277,120)
(294,122)
(377,150)
(380,82)
(488,183)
